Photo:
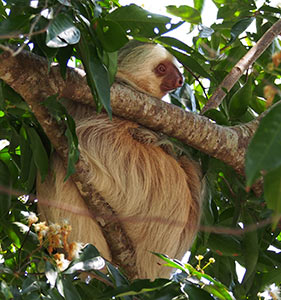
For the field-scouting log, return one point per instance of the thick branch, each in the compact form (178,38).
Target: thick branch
(245,62)
(28,76)
(225,143)
(26,73)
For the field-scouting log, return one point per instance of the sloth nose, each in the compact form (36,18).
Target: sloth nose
(179,81)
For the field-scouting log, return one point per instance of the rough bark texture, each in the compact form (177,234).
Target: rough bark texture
(27,74)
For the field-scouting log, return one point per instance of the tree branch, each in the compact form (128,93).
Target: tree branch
(244,63)
(23,73)
(27,74)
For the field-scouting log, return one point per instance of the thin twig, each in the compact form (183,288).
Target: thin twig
(197,78)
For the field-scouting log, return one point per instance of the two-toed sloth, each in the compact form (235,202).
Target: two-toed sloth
(132,170)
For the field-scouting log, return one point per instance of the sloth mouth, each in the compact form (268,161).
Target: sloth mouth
(165,88)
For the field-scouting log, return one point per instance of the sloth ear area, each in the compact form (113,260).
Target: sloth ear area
(149,68)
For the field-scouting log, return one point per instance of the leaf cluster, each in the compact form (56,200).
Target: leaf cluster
(30,271)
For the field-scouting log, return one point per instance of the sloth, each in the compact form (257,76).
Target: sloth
(155,191)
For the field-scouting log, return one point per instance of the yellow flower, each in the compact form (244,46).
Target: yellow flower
(199,257)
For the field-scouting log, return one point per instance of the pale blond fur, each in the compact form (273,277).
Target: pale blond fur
(156,196)
(136,65)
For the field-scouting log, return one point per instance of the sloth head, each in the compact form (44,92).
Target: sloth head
(149,68)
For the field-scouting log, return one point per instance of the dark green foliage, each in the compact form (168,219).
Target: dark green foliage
(265,151)
(59,113)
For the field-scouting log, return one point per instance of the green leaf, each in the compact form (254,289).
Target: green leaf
(224,245)
(65,2)
(266,57)
(5,197)
(13,97)
(174,43)
(73,152)
(15,25)
(30,238)
(28,169)
(63,56)
(59,113)
(39,152)
(95,263)
(257,104)
(199,4)
(29,183)
(55,108)
(42,49)
(89,259)
(10,231)
(88,252)
(97,76)
(2,98)
(218,292)
(274,276)
(67,289)
(272,190)
(29,285)
(195,293)
(136,288)
(240,27)
(250,247)
(36,295)
(239,102)
(186,13)
(53,295)
(111,35)
(5,290)
(18,3)
(263,152)
(138,22)
(217,116)
(51,274)
(61,32)
(5,270)
(26,155)
(212,286)
(173,263)
(110,61)
(236,54)
(118,278)
(188,61)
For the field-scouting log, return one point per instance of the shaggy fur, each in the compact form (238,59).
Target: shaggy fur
(156,196)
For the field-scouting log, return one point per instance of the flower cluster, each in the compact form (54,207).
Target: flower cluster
(201,257)
(55,238)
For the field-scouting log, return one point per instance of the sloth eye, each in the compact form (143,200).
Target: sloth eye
(161,68)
